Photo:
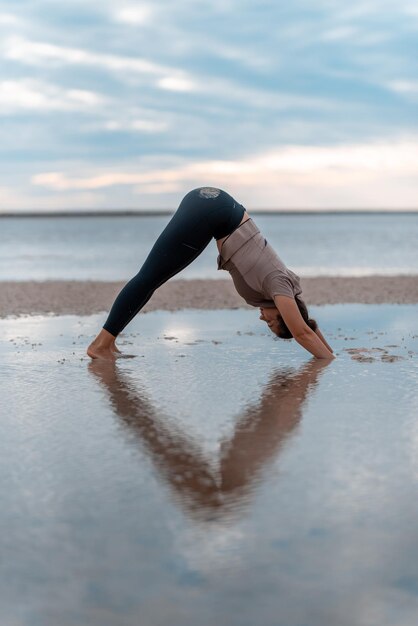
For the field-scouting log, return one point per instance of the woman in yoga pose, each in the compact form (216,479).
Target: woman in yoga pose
(259,275)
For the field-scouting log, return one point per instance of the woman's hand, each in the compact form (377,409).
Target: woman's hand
(300,330)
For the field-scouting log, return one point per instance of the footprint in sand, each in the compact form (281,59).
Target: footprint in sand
(193,343)
(391,358)
(358,354)
(361,350)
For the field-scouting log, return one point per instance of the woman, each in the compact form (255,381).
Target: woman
(262,430)
(259,275)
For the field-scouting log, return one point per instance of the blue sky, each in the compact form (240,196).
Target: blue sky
(117,105)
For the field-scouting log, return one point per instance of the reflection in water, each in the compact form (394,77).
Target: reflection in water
(260,433)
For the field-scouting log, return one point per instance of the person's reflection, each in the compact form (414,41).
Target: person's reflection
(260,432)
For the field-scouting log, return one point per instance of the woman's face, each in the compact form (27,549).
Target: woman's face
(269,315)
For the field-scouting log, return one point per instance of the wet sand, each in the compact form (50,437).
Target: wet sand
(89,297)
(220,476)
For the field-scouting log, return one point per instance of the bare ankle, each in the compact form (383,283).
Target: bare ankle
(104,340)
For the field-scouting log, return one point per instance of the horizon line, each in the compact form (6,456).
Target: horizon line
(165,212)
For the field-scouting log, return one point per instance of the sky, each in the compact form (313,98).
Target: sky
(129,105)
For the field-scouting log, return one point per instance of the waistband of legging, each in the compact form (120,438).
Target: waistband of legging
(243,233)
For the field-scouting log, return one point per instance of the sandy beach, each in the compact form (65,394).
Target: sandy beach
(88,297)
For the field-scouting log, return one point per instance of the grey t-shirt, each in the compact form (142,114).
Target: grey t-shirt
(257,271)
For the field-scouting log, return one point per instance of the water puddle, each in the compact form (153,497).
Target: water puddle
(218,476)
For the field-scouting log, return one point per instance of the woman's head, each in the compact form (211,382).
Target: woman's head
(276,322)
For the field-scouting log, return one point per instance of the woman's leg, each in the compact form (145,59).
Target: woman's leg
(202,214)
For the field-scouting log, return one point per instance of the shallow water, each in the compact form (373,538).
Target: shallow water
(114,248)
(221,476)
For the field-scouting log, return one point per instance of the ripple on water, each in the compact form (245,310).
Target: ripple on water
(221,476)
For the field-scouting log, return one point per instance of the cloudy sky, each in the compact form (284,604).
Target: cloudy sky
(113,105)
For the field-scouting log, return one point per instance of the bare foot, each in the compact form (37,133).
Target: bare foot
(103,347)
(96,352)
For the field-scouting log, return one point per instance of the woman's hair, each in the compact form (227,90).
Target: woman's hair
(283,331)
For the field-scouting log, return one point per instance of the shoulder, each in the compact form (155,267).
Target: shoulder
(278,283)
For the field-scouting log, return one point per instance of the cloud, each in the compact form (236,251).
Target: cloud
(17,200)
(245,54)
(7,19)
(133,15)
(354,36)
(38,96)
(137,125)
(173,83)
(289,101)
(41,53)
(408,87)
(311,172)
(168,79)
(339,33)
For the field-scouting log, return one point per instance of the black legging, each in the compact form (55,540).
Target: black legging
(203,213)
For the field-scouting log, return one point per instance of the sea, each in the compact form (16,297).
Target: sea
(108,247)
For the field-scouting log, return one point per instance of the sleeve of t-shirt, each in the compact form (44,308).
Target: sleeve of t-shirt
(276,284)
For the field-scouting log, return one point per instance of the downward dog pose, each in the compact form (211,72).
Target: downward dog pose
(262,430)
(259,275)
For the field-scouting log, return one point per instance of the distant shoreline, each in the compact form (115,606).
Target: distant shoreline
(164,212)
(72,297)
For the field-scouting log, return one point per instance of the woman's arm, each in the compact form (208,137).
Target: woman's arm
(311,342)
(322,338)
(301,332)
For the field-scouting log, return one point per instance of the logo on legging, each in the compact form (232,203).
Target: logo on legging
(209,192)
